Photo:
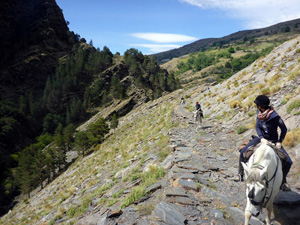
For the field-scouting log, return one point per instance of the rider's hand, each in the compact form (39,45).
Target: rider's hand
(278,145)
(263,140)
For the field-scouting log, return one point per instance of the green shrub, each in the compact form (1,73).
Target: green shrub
(293,105)
(135,194)
(251,113)
(296,113)
(71,211)
(241,129)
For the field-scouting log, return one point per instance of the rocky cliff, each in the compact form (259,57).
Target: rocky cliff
(33,35)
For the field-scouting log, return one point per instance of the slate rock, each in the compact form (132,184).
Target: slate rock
(114,213)
(217,214)
(173,191)
(176,169)
(183,155)
(153,187)
(168,162)
(287,198)
(182,201)
(238,216)
(184,149)
(167,213)
(221,158)
(186,184)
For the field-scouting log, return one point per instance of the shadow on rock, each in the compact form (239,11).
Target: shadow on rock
(287,208)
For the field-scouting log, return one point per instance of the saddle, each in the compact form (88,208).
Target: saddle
(248,153)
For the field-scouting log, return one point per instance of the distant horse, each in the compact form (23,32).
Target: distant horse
(197,118)
(182,102)
(263,178)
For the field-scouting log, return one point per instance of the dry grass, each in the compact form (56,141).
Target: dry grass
(273,79)
(265,91)
(292,138)
(274,89)
(234,104)
(259,86)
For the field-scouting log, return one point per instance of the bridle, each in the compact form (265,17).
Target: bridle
(267,196)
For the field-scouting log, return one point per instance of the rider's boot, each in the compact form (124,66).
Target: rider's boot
(241,172)
(284,185)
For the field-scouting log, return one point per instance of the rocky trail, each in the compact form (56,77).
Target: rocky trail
(200,185)
(207,159)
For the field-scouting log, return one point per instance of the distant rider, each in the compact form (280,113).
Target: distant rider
(267,122)
(198,107)
(182,100)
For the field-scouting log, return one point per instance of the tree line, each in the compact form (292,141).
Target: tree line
(39,163)
(38,129)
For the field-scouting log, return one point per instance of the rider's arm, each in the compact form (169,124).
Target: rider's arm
(282,128)
(258,129)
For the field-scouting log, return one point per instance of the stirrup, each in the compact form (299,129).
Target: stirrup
(240,177)
(285,187)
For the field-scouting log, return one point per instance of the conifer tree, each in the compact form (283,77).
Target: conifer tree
(114,121)
(68,135)
(82,142)
(25,171)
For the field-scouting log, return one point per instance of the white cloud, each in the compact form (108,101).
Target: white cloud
(154,48)
(256,13)
(163,37)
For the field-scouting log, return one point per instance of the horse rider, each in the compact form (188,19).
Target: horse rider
(198,107)
(267,122)
(182,100)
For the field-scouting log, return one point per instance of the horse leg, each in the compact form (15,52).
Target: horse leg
(269,211)
(247,217)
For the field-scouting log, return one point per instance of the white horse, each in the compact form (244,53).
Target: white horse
(197,118)
(182,102)
(263,178)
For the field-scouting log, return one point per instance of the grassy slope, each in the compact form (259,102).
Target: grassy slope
(141,133)
(193,78)
(277,75)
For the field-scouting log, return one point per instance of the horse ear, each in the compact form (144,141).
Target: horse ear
(246,169)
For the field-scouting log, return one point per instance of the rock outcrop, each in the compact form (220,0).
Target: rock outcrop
(34,34)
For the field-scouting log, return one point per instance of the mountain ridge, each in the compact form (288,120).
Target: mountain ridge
(292,25)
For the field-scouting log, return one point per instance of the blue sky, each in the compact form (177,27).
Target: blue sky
(153,26)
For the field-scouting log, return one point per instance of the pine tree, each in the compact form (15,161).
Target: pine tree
(68,135)
(39,164)
(82,142)
(25,171)
(98,130)
(114,121)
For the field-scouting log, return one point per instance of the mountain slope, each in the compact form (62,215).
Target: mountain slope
(117,173)
(289,26)
(33,35)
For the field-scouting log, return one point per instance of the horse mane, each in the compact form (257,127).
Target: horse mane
(254,176)
(258,157)
(259,153)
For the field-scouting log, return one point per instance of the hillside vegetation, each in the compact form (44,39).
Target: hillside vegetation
(121,169)
(84,80)
(219,62)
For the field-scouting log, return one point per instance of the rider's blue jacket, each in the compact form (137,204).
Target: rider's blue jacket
(268,129)
(197,106)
